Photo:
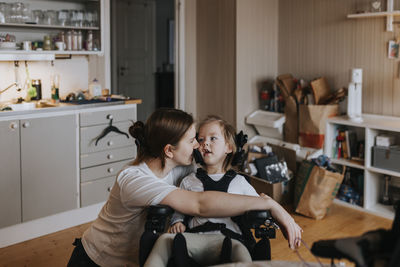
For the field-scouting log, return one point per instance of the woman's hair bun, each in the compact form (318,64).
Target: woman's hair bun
(137,130)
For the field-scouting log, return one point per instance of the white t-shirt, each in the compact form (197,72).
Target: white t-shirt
(113,238)
(238,185)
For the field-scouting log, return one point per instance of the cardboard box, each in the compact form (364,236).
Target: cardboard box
(280,192)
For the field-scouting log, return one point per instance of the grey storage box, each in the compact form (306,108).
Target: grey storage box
(386,158)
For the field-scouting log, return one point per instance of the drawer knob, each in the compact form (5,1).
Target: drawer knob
(110,156)
(109,117)
(110,170)
(14,125)
(110,143)
(26,124)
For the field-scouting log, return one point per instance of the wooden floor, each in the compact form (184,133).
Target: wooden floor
(55,249)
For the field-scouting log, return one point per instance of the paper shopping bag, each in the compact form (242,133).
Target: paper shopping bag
(315,190)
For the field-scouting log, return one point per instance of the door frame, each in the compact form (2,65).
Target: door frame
(179,52)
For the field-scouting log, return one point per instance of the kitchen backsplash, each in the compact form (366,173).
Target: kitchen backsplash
(74,76)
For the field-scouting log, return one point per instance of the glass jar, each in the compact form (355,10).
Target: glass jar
(37,84)
(47,43)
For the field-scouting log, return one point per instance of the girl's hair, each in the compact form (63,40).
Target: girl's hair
(164,126)
(229,134)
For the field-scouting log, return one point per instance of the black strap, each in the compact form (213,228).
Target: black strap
(207,227)
(210,185)
(210,227)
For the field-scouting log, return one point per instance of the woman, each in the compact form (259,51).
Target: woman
(165,146)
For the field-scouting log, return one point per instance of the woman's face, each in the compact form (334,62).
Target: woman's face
(183,152)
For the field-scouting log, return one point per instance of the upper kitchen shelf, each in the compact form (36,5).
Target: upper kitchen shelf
(41,26)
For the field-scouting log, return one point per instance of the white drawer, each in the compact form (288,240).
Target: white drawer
(103,117)
(96,191)
(101,171)
(110,141)
(108,156)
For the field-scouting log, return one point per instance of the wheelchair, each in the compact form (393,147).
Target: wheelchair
(157,247)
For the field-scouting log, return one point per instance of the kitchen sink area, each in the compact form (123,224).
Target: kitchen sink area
(41,106)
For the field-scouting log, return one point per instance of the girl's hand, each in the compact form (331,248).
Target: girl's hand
(177,228)
(290,229)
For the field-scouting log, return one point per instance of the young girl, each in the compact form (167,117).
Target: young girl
(217,147)
(165,147)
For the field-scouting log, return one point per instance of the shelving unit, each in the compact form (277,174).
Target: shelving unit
(34,32)
(367,130)
(389,14)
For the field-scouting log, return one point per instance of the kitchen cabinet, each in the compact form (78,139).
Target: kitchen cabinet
(49,181)
(50,163)
(10,182)
(94,23)
(101,162)
(35,180)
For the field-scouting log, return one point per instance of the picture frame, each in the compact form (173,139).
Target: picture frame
(393,50)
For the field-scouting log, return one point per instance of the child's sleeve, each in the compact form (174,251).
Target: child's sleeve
(177,217)
(247,188)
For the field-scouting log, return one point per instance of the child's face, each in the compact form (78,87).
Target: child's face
(213,146)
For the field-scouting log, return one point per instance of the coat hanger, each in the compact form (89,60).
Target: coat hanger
(110,128)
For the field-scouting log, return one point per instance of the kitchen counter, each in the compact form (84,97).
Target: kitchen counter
(65,108)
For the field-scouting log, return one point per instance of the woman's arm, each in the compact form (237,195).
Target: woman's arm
(218,204)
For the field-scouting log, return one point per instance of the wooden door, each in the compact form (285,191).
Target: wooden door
(135,26)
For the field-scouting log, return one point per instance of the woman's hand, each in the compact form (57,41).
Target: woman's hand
(290,229)
(177,228)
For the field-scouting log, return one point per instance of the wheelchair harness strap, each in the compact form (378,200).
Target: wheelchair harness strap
(222,185)
(210,185)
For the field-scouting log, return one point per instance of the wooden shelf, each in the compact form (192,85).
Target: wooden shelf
(388,14)
(373,14)
(383,171)
(349,163)
(41,26)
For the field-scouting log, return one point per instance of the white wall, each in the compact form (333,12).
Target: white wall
(73,76)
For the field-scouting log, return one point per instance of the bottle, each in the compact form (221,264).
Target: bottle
(68,41)
(74,40)
(37,84)
(95,88)
(89,41)
(55,84)
(79,40)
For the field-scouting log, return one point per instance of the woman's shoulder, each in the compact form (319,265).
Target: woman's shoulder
(134,171)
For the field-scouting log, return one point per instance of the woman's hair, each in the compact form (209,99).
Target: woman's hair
(165,126)
(229,134)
